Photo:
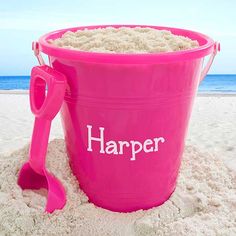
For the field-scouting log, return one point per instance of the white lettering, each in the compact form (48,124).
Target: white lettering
(157,140)
(134,150)
(122,143)
(118,147)
(90,139)
(111,147)
(147,142)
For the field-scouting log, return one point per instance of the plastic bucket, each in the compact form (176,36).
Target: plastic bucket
(125,117)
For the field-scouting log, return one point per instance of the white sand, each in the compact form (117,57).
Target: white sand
(204,202)
(124,40)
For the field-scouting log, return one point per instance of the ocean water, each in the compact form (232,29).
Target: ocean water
(14,82)
(218,83)
(211,84)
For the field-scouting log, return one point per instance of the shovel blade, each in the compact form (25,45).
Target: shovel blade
(29,179)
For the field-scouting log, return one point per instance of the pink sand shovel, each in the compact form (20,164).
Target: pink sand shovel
(33,174)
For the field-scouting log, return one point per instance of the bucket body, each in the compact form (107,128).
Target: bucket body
(129,102)
(125,124)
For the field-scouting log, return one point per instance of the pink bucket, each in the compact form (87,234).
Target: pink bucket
(125,117)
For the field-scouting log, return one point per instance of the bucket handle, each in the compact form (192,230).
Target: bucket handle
(210,61)
(35,48)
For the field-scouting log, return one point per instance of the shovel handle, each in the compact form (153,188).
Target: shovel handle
(44,105)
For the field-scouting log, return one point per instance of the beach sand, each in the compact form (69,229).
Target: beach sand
(204,202)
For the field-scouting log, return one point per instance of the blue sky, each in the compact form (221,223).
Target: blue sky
(22,22)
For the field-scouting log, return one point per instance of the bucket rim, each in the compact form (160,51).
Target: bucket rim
(206,47)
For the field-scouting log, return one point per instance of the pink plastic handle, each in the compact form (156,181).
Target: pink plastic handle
(35,48)
(210,61)
(44,107)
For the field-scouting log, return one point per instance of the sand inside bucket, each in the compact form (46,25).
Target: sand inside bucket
(124,40)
